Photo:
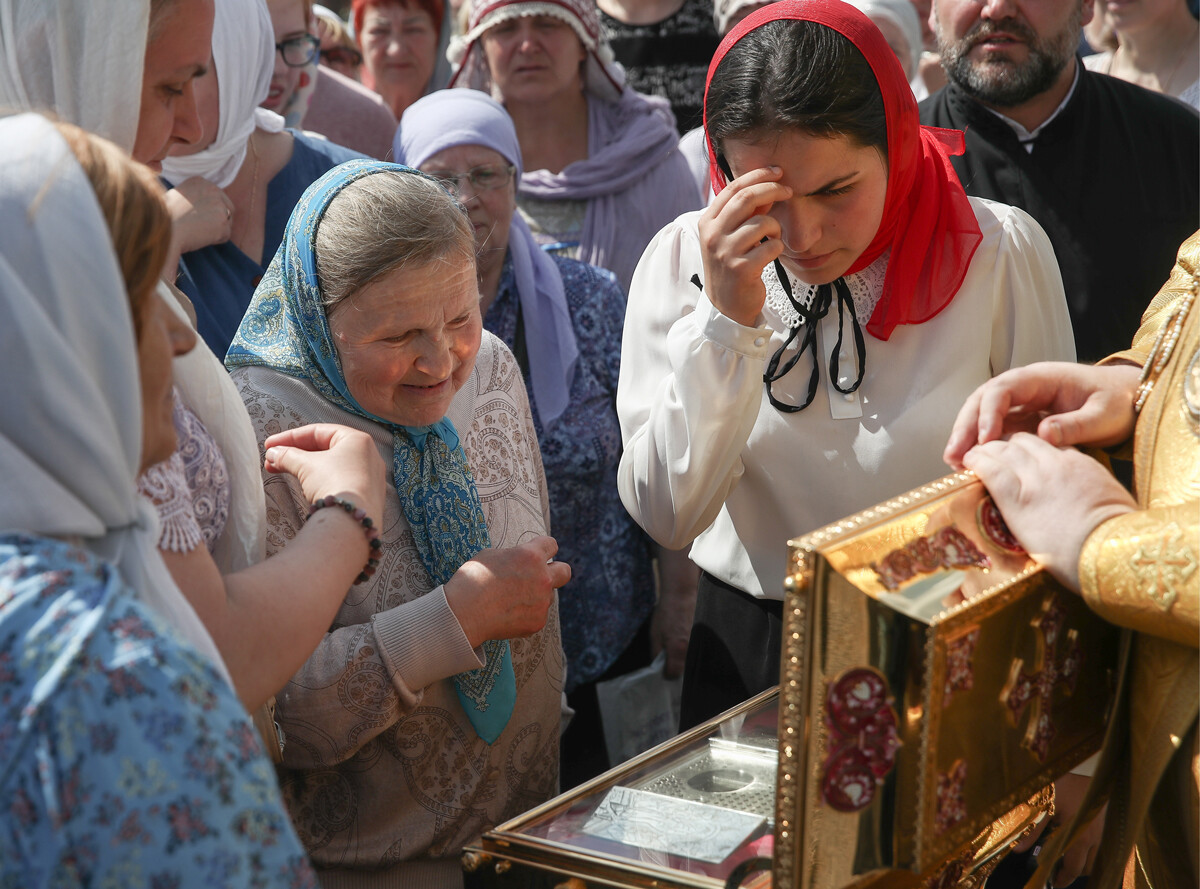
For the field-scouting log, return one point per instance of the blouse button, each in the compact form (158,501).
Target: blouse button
(759,341)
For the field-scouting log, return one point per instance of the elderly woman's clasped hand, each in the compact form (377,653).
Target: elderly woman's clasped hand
(505,593)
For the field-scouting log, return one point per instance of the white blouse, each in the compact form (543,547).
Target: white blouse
(709,462)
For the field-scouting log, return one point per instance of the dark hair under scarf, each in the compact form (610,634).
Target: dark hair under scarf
(928,223)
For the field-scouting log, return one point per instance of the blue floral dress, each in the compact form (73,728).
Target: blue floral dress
(611,592)
(125,761)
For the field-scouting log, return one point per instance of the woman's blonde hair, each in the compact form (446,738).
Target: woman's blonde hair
(131,200)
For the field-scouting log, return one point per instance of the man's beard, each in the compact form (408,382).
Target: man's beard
(1003,83)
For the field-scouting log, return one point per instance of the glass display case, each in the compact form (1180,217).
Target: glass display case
(689,813)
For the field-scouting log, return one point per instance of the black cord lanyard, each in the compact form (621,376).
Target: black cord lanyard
(822,303)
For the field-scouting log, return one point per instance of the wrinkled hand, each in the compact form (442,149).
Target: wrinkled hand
(1063,403)
(506,593)
(201,212)
(671,624)
(732,229)
(1052,498)
(329,459)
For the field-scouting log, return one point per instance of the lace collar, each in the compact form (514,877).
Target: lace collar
(866,288)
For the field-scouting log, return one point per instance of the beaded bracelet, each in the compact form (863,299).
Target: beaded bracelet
(368,526)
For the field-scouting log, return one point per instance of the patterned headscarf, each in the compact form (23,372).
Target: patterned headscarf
(286,329)
(604,78)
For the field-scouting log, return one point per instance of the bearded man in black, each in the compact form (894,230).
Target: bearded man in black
(1110,170)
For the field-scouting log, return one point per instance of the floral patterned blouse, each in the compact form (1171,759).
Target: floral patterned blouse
(190,490)
(125,761)
(611,591)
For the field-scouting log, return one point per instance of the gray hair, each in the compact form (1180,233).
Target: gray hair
(382,222)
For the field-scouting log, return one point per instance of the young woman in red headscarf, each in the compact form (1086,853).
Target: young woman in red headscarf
(797,351)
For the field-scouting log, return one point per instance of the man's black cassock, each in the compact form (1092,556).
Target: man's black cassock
(1114,180)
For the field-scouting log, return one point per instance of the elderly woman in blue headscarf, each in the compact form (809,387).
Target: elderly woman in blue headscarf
(563,321)
(431,709)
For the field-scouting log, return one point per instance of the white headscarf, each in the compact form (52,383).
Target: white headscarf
(71,416)
(83,62)
(903,15)
(243,47)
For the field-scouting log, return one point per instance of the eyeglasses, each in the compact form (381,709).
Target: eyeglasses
(482,178)
(341,55)
(299,51)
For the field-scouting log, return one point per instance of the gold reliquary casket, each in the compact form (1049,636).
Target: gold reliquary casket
(934,682)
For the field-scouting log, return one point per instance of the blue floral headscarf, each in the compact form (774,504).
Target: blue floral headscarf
(286,329)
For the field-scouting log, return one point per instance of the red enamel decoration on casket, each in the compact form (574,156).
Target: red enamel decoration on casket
(863,739)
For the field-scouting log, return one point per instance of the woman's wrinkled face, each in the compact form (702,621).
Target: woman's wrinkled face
(534,58)
(178,53)
(399,45)
(408,340)
(161,336)
(489,209)
(838,190)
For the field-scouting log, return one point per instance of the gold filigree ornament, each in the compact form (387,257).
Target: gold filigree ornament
(1164,346)
(1164,566)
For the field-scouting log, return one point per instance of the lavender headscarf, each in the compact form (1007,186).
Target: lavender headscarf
(627,142)
(451,118)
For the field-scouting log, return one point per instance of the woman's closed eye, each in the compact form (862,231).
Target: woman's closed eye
(835,192)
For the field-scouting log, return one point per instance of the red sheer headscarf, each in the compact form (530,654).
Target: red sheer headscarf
(927,219)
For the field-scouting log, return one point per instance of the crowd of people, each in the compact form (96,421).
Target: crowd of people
(382,378)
